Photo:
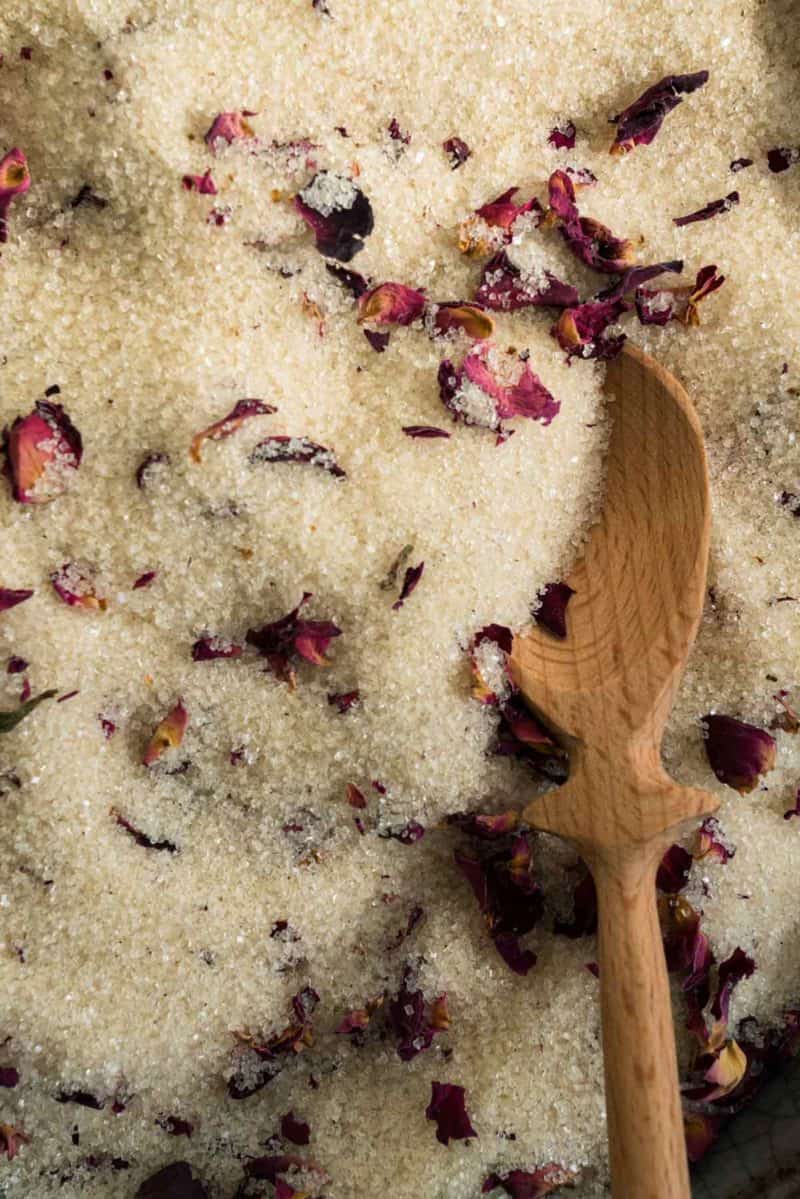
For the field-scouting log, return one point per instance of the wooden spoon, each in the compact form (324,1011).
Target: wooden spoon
(608,689)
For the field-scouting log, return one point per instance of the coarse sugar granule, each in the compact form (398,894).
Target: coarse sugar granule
(125,971)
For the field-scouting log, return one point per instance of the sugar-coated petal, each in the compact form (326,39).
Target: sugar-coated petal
(448,1109)
(9,598)
(281,639)
(241,411)
(42,451)
(337,212)
(551,610)
(502,288)
(168,734)
(738,753)
(462,316)
(583,331)
(499,636)
(391,304)
(229,127)
(491,226)
(151,468)
(15,179)
(283,448)
(74,584)
(639,123)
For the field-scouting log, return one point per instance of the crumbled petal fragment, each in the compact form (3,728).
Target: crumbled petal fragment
(108,726)
(413,1021)
(424,431)
(74,584)
(458,316)
(397,134)
(175,1126)
(42,450)
(355,1021)
(410,580)
(338,214)
(344,701)
(280,639)
(503,288)
(562,137)
(673,871)
(209,647)
(168,734)
(16,665)
(15,179)
(229,127)
(712,209)
(391,304)
(499,636)
(487,827)
(142,838)
(738,753)
(788,719)
(639,123)
(731,972)
(355,797)
(457,150)
(11,1139)
(283,448)
(782,157)
(356,284)
(740,164)
(271,1054)
(144,580)
(9,1076)
(531,1184)
(174,1181)
(589,240)
(448,1109)
(636,276)
(520,734)
(10,720)
(203,184)
(710,843)
(657,307)
(406,834)
(551,611)
(294,1130)
(491,226)
(583,331)
(240,412)
(10,598)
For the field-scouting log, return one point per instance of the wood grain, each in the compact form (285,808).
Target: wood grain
(607,689)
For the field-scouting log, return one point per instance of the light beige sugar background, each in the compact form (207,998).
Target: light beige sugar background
(139,964)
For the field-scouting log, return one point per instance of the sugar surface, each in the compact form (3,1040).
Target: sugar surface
(138,964)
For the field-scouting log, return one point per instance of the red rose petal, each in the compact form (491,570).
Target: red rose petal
(10,598)
(15,179)
(229,127)
(410,580)
(531,1184)
(11,1140)
(551,610)
(142,838)
(175,1181)
(279,640)
(457,150)
(338,213)
(294,1130)
(240,412)
(447,1108)
(562,137)
(501,288)
(738,753)
(42,450)
(391,304)
(74,584)
(208,648)
(639,123)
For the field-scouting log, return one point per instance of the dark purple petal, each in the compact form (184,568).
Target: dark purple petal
(281,448)
(501,288)
(583,331)
(639,123)
(141,838)
(531,1184)
(377,339)
(280,639)
(175,1181)
(551,611)
(457,150)
(637,276)
(519,960)
(412,1020)
(738,753)
(338,213)
(16,665)
(9,1076)
(584,911)
(731,972)
(714,208)
(144,580)
(396,133)
(10,598)
(294,1130)
(783,157)
(411,579)
(423,431)
(356,284)
(208,648)
(589,240)
(406,834)
(447,1108)
(562,137)
(673,872)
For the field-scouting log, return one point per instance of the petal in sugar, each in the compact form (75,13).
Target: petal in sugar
(502,288)
(168,734)
(487,827)
(11,1140)
(448,1109)
(583,331)
(491,226)
(724,1074)
(457,150)
(355,797)
(9,598)
(282,448)
(425,431)
(355,283)
(410,580)
(731,972)
(391,304)
(738,753)
(295,1130)
(673,871)
(700,1131)
(471,319)
(229,127)
(551,610)
(714,208)
(584,910)
(175,1181)
(142,838)
(710,844)
(15,179)
(42,451)
(210,647)
(74,584)
(203,184)
(279,640)
(499,636)
(639,123)
(589,240)
(531,1184)
(782,157)
(150,469)
(337,212)
(562,137)
(343,701)
(240,412)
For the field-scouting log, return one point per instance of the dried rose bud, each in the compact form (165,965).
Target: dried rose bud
(229,127)
(424,431)
(738,753)
(457,150)
(447,1108)
(42,451)
(391,304)
(15,179)
(583,331)
(240,412)
(10,598)
(282,448)
(11,1139)
(562,137)
(712,209)
(338,213)
(410,580)
(639,123)
(168,734)
(74,584)
(209,647)
(551,610)
(468,318)
(491,225)
(783,157)
(503,289)
(531,1184)
(203,184)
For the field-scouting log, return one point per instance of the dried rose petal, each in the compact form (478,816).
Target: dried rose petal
(531,1184)
(495,634)
(584,911)
(144,580)
(738,753)
(491,225)
(355,797)
(781,158)
(448,1109)
(208,648)
(338,213)
(175,1181)
(700,1131)
(502,289)
(589,240)
(406,834)
(788,720)
(282,448)
(108,726)
(415,916)
(740,164)
(726,1071)
(413,1021)
(293,1039)
(10,598)
(343,701)
(634,279)
(424,431)
(280,639)
(229,127)
(731,972)
(391,304)
(74,584)
(454,316)
(583,331)
(15,179)
(639,123)
(42,450)
(710,843)
(11,1139)
(673,871)
(355,283)
(378,341)
(175,1126)
(240,412)
(487,827)
(410,580)
(458,151)
(69,695)
(500,873)
(168,734)
(551,611)
(520,734)
(562,137)
(269,1168)
(473,395)
(16,665)
(294,1130)
(396,133)
(204,184)
(142,838)
(714,208)
(9,1076)
(656,307)
(355,1021)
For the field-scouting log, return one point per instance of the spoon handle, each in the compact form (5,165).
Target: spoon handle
(645,1125)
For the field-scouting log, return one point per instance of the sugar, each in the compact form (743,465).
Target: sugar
(139,964)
